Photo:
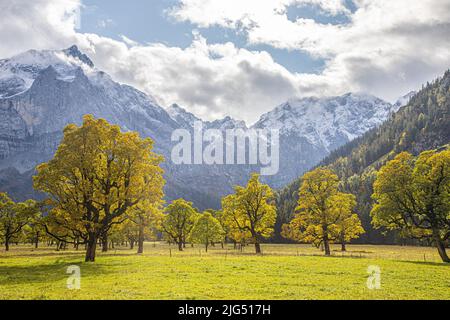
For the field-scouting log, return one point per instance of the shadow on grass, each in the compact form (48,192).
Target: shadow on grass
(46,252)
(35,254)
(47,273)
(353,252)
(427,263)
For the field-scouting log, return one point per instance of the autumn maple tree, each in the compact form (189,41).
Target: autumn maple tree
(14,217)
(96,176)
(413,195)
(251,212)
(207,230)
(348,225)
(178,222)
(323,215)
(147,217)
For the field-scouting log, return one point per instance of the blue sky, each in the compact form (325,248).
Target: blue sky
(148,22)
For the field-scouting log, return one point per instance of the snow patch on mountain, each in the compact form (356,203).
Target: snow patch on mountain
(181,116)
(323,121)
(19,72)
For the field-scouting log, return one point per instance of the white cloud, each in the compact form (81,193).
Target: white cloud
(244,13)
(37,24)
(212,80)
(387,48)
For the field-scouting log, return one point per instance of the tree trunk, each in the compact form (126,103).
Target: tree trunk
(105,243)
(206,247)
(441,247)
(326,246)
(180,245)
(258,247)
(91,247)
(132,244)
(36,244)
(326,242)
(141,239)
(7,244)
(343,243)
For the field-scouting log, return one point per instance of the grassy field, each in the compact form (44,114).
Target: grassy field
(284,272)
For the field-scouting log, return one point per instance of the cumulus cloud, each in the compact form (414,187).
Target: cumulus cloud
(244,13)
(37,24)
(385,48)
(213,80)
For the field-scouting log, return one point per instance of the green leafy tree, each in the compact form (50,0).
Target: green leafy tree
(251,212)
(35,230)
(207,230)
(148,218)
(179,221)
(413,195)
(221,217)
(14,217)
(129,231)
(97,174)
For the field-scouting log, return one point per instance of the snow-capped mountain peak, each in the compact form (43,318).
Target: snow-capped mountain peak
(74,52)
(18,73)
(227,123)
(325,121)
(182,116)
(186,120)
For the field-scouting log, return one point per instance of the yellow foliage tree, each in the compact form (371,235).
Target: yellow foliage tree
(324,215)
(232,220)
(206,230)
(348,226)
(14,217)
(218,214)
(251,212)
(97,174)
(148,218)
(413,195)
(178,222)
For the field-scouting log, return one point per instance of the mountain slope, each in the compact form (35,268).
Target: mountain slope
(43,91)
(311,128)
(58,88)
(423,124)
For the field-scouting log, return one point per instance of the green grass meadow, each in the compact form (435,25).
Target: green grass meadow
(284,272)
